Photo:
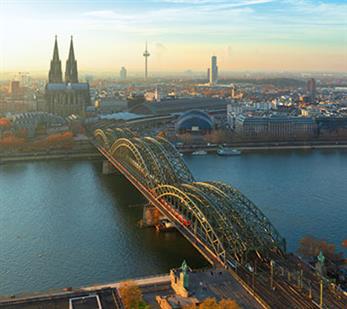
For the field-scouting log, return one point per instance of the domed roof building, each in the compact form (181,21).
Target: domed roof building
(194,121)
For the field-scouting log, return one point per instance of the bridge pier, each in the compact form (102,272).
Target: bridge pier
(151,215)
(108,168)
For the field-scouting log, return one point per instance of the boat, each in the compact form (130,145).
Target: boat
(199,153)
(227,151)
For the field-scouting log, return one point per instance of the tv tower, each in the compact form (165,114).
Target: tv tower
(146,54)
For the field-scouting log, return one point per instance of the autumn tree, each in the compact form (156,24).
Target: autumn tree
(5,123)
(310,247)
(161,134)
(131,295)
(209,303)
(228,304)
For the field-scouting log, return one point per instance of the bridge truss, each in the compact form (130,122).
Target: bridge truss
(218,215)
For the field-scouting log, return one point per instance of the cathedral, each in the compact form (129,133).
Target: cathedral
(69,96)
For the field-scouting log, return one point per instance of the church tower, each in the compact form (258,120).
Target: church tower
(55,74)
(71,75)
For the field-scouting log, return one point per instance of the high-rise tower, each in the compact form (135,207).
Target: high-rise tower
(71,75)
(55,75)
(146,54)
(123,73)
(311,88)
(213,70)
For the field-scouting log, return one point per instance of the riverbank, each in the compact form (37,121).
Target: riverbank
(266,147)
(48,156)
(61,297)
(94,155)
(218,283)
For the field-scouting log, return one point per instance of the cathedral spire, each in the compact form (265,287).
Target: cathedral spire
(55,74)
(71,51)
(55,51)
(71,75)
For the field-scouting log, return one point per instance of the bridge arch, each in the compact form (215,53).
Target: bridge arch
(178,163)
(228,232)
(100,135)
(169,170)
(125,151)
(265,236)
(190,214)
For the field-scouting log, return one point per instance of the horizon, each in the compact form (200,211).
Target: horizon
(182,35)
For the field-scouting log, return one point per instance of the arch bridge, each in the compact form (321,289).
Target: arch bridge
(222,223)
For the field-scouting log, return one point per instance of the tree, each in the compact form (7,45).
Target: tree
(209,303)
(130,294)
(311,246)
(161,134)
(5,123)
(228,304)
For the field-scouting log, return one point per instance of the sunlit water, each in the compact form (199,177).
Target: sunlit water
(65,224)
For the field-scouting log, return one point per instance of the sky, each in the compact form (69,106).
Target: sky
(245,35)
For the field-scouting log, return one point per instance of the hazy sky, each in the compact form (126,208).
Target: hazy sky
(267,35)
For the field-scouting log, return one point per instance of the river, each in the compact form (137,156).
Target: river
(63,223)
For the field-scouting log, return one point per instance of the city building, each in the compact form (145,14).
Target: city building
(71,96)
(329,125)
(177,105)
(153,96)
(213,71)
(311,89)
(280,127)
(194,121)
(123,74)
(14,88)
(34,122)
(110,105)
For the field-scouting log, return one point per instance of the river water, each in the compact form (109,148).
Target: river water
(65,224)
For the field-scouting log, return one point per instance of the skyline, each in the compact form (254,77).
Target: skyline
(256,35)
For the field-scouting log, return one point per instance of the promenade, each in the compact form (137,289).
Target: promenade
(203,284)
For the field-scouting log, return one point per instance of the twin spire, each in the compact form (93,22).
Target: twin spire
(55,73)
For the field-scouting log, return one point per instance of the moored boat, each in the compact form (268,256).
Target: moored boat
(199,153)
(228,151)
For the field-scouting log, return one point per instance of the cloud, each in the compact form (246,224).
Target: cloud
(217,2)
(102,14)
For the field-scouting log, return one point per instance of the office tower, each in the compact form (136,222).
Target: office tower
(146,54)
(123,73)
(208,74)
(232,91)
(213,70)
(311,88)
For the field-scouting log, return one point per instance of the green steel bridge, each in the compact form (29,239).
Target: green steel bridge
(218,216)
(218,220)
